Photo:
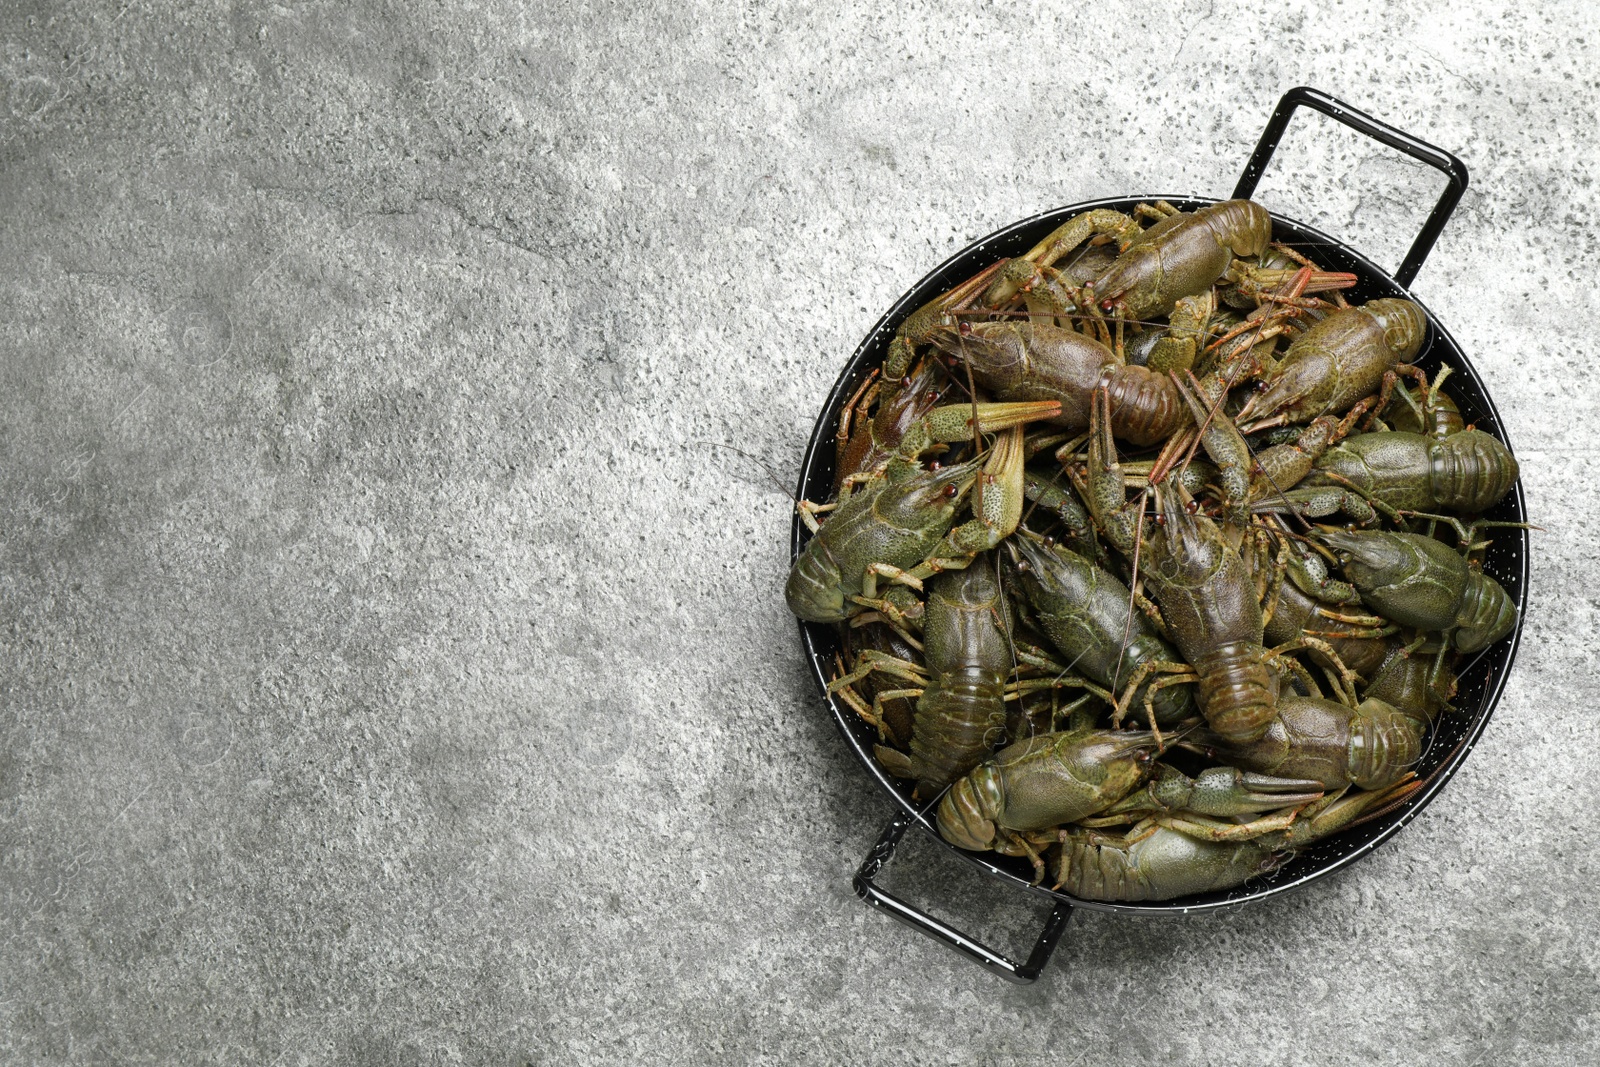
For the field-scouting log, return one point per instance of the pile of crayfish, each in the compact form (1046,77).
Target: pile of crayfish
(1152,555)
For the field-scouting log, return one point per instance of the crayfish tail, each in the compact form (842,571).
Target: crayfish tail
(1238,692)
(1145,406)
(966,814)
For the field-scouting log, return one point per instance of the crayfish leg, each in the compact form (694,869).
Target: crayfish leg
(1209,829)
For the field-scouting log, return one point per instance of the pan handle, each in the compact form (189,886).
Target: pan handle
(973,949)
(1454,170)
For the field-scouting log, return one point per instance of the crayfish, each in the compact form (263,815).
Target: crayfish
(1070,551)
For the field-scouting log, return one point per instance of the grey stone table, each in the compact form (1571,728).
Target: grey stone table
(398,407)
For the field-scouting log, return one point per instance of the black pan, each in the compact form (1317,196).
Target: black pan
(1481,678)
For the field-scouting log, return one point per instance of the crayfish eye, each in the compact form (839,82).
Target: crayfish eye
(965,329)
(1161,520)
(1049,542)
(935,465)
(950,489)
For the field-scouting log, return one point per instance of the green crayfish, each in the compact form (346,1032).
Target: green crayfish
(1420,582)
(1013,802)
(1338,362)
(961,715)
(1087,614)
(1158,862)
(900,524)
